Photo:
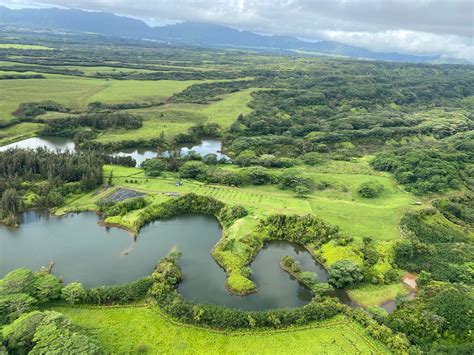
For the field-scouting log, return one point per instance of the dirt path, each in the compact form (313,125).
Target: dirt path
(410,280)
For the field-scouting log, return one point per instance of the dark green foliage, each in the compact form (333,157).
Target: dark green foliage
(189,203)
(208,92)
(21,76)
(110,209)
(121,294)
(14,305)
(344,273)
(458,209)
(19,335)
(154,167)
(68,126)
(291,264)
(371,189)
(47,287)
(424,170)
(442,313)
(456,307)
(197,132)
(193,170)
(50,175)
(48,332)
(296,181)
(434,247)
(304,230)
(34,109)
(230,214)
(74,293)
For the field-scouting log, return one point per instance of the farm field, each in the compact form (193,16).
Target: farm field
(337,207)
(143,330)
(172,119)
(77,92)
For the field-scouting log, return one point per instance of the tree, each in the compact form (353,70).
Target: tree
(210,158)
(47,333)
(154,167)
(344,273)
(258,175)
(47,287)
(21,280)
(14,305)
(110,178)
(19,335)
(192,169)
(11,201)
(457,308)
(245,158)
(302,190)
(57,335)
(370,189)
(73,293)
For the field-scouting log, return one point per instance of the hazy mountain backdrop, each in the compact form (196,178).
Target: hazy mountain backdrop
(192,33)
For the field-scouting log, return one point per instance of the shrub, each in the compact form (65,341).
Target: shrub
(74,293)
(120,294)
(344,273)
(154,167)
(371,189)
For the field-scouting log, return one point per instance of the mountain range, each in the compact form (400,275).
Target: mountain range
(190,33)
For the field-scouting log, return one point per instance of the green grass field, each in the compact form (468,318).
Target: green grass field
(172,119)
(23,46)
(339,205)
(18,132)
(77,92)
(376,295)
(133,330)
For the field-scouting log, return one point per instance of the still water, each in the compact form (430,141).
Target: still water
(86,252)
(210,146)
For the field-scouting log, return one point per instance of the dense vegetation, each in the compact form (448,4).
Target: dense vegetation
(314,143)
(42,179)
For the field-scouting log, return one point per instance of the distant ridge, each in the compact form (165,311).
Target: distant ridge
(191,33)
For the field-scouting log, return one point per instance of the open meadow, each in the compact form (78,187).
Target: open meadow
(144,330)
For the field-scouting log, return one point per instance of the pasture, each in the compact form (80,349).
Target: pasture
(145,330)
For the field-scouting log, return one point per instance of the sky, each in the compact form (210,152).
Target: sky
(427,27)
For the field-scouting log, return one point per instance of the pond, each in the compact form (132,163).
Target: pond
(54,143)
(210,146)
(86,252)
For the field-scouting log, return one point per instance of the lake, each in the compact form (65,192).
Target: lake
(209,146)
(84,251)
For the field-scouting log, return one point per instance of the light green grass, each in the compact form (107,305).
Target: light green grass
(173,119)
(139,90)
(77,92)
(23,46)
(18,132)
(376,218)
(376,295)
(129,330)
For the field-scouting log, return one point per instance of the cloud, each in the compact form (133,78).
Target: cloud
(415,26)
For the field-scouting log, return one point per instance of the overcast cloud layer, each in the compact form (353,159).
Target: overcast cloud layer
(408,26)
